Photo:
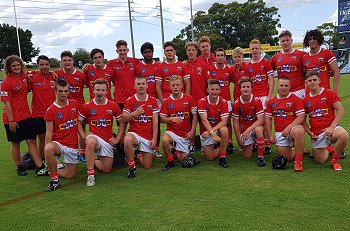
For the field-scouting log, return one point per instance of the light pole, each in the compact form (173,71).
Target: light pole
(19,44)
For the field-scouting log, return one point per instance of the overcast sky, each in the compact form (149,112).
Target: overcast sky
(59,25)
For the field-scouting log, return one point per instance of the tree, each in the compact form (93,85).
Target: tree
(80,54)
(330,33)
(9,45)
(235,24)
(54,63)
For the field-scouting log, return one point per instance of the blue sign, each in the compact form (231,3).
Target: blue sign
(343,16)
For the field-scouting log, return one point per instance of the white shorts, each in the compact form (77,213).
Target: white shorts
(263,101)
(179,143)
(104,149)
(250,139)
(229,106)
(144,145)
(206,141)
(71,155)
(322,141)
(299,93)
(284,141)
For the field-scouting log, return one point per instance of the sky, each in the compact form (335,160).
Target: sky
(59,25)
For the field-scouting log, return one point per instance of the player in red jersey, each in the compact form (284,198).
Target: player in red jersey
(197,69)
(288,62)
(74,77)
(99,114)
(76,81)
(98,70)
(170,67)
(62,127)
(239,69)
(260,70)
(288,112)
(206,55)
(321,60)
(42,85)
(213,112)
(16,116)
(248,119)
(147,68)
(222,72)
(142,112)
(124,73)
(325,112)
(179,112)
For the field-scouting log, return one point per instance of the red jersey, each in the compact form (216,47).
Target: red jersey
(124,77)
(148,71)
(210,61)
(247,113)
(92,73)
(65,123)
(43,93)
(142,125)
(260,72)
(197,71)
(290,65)
(215,112)
(182,108)
(320,109)
(100,117)
(237,75)
(320,62)
(284,110)
(166,70)
(76,81)
(225,77)
(14,89)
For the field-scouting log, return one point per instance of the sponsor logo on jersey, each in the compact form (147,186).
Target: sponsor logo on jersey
(70,123)
(321,60)
(76,79)
(151,79)
(143,118)
(212,119)
(179,68)
(289,104)
(294,58)
(185,104)
(73,89)
(282,113)
(109,112)
(323,100)
(319,112)
(74,110)
(102,122)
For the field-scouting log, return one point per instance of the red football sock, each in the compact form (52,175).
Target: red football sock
(90,172)
(335,157)
(267,142)
(176,154)
(260,143)
(131,163)
(330,149)
(222,154)
(299,157)
(54,176)
(170,158)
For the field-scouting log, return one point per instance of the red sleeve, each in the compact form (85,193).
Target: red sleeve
(5,92)
(268,67)
(158,73)
(164,109)
(329,56)
(235,109)
(333,96)
(186,72)
(273,62)
(299,106)
(201,106)
(259,107)
(49,115)
(83,110)
(127,106)
(224,109)
(117,112)
(193,106)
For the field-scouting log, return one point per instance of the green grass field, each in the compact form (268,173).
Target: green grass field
(206,197)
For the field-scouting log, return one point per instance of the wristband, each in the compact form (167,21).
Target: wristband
(10,121)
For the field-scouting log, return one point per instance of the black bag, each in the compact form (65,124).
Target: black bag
(279,162)
(118,155)
(27,161)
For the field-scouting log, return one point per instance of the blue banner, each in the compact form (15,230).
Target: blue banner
(343,16)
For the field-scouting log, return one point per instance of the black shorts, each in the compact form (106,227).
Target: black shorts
(40,125)
(25,131)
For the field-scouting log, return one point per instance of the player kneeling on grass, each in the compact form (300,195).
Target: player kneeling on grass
(288,112)
(179,112)
(248,120)
(99,113)
(141,111)
(325,111)
(61,137)
(214,114)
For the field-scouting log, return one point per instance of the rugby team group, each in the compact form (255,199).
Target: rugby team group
(181,95)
